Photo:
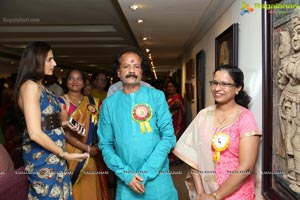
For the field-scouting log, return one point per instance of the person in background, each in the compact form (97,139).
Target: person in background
(52,85)
(217,143)
(6,163)
(135,144)
(119,86)
(99,86)
(7,108)
(44,139)
(87,182)
(177,108)
(87,89)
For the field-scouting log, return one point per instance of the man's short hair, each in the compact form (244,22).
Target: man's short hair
(116,63)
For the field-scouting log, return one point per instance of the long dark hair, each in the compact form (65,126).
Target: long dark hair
(242,98)
(32,63)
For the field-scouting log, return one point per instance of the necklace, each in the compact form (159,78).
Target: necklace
(229,116)
(74,100)
(221,122)
(41,85)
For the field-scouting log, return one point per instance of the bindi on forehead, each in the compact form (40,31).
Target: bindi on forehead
(132,61)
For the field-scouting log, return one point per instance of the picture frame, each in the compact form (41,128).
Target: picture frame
(190,70)
(200,79)
(226,47)
(189,90)
(179,77)
(277,154)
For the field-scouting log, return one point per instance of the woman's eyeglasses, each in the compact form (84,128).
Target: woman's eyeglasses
(221,84)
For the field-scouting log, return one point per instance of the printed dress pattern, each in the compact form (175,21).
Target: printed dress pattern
(48,174)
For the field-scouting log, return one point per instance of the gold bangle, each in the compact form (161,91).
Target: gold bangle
(215,195)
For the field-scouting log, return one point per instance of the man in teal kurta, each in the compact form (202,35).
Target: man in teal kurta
(136,134)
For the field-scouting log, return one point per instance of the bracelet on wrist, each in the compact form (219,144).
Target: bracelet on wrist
(62,154)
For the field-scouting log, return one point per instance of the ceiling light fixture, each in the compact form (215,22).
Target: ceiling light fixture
(140,21)
(147,50)
(134,7)
(144,38)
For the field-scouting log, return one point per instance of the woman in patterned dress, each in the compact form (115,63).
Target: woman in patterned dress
(44,139)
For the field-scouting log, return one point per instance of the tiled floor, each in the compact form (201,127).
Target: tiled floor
(179,173)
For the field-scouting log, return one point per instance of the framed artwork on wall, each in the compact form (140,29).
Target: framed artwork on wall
(200,79)
(190,70)
(226,47)
(281,105)
(189,90)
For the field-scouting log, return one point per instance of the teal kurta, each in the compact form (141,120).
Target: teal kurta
(127,150)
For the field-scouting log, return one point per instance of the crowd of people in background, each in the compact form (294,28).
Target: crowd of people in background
(50,141)
(78,95)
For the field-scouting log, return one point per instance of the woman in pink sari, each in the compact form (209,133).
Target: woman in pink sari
(218,142)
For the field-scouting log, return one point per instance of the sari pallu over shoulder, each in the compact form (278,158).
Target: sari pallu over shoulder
(195,145)
(85,113)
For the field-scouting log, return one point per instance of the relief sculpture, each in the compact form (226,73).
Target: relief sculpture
(288,79)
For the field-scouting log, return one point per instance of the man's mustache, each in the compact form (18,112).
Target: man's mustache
(131,75)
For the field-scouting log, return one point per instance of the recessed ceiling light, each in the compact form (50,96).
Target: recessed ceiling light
(92,65)
(134,7)
(144,38)
(140,21)
(147,50)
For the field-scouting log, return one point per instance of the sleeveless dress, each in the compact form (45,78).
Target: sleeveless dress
(48,174)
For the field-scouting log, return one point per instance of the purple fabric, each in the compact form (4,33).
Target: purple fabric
(14,185)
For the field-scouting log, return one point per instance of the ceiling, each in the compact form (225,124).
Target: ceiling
(87,34)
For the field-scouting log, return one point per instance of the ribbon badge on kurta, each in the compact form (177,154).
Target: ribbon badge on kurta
(142,113)
(94,111)
(220,142)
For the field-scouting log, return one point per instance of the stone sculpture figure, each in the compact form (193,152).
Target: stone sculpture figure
(224,53)
(284,50)
(289,103)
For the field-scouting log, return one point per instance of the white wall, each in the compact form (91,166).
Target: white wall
(249,54)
